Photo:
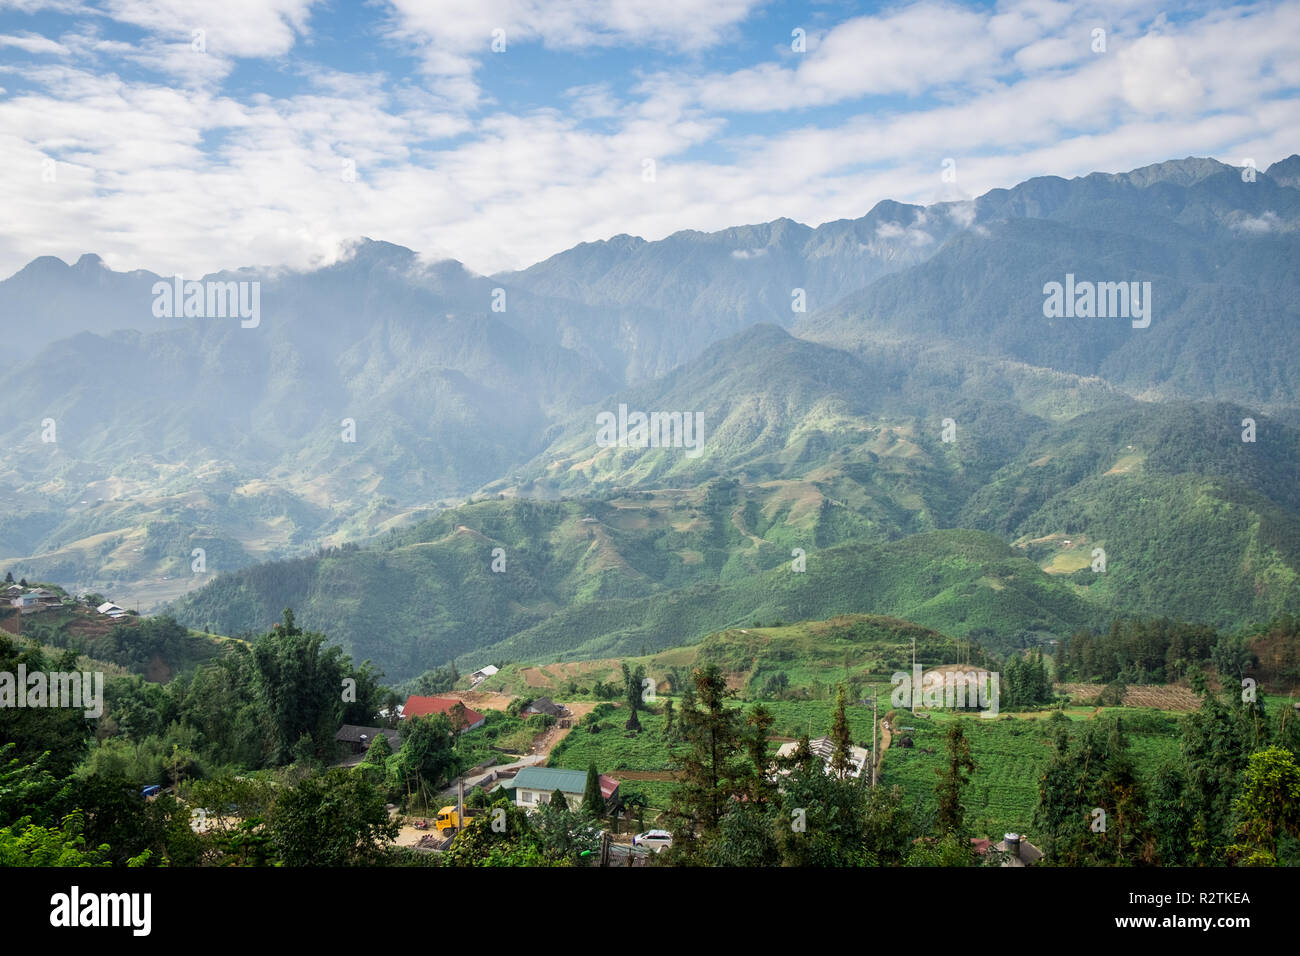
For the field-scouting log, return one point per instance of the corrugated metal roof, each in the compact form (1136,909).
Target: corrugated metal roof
(552,778)
(566,781)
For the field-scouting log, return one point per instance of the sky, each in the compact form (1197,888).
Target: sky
(188,136)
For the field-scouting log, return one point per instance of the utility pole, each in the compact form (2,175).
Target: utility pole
(912,677)
(874,751)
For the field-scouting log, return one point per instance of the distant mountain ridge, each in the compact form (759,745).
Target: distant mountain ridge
(174,434)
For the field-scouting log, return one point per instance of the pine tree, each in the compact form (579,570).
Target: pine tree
(711,772)
(593,801)
(633,682)
(757,724)
(954,779)
(1041,685)
(841,742)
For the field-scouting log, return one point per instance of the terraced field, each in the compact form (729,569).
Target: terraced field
(1010,757)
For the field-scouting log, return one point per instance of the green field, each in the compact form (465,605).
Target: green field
(1010,756)
(1010,753)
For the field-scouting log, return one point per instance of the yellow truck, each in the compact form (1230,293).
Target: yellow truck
(448,821)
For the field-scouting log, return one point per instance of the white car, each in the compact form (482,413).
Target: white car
(653,839)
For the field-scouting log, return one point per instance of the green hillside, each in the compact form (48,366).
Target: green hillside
(813,455)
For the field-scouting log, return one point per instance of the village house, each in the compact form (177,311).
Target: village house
(533,786)
(544,705)
(25,601)
(359,739)
(37,600)
(417,706)
(859,757)
(479,676)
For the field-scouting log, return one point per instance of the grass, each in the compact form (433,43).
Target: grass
(1010,756)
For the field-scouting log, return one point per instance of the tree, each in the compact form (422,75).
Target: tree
(593,801)
(1171,815)
(776,685)
(841,742)
(633,683)
(27,844)
(379,750)
(9,577)
(668,719)
(333,818)
(1267,807)
(115,816)
(1232,658)
(28,789)
(1217,741)
(459,721)
(712,770)
(501,836)
(822,818)
(758,722)
(565,836)
(1092,808)
(300,683)
(889,828)
(953,780)
(634,803)
(747,837)
(426,760)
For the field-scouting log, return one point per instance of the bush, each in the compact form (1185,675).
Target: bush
(539,722)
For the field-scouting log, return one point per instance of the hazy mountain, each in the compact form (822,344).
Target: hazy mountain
(695,288)
(1218,254)
(842,458)
(48,300)
(241,430)
(179,433)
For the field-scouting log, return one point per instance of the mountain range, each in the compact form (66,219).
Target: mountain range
(884,395)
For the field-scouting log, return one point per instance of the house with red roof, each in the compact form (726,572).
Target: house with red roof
(417,706)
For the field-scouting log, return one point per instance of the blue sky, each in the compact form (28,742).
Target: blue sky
(287,128)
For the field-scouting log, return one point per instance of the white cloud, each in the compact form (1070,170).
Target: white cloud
(33,43)
(1266,222)
(908,50)
(179,176)
(1156,77)
(232,28)
(453,38)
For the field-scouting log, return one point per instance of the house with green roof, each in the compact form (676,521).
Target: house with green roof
(532,787)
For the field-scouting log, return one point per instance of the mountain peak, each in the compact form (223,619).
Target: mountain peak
(1181,172)
(1285,172)
(369,251)
(42,266)
(88,261)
